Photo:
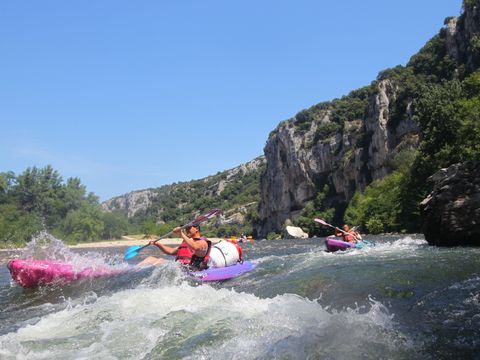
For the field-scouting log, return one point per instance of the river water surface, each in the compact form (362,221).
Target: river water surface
(401,299)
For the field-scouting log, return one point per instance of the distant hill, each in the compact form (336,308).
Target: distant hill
(234,191)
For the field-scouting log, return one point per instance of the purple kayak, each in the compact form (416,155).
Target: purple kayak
(333,244)
(224,273)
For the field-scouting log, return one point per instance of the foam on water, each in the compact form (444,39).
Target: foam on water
(401,299)
(45,246)
(177,320)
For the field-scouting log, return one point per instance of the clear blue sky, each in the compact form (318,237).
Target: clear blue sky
(128,95)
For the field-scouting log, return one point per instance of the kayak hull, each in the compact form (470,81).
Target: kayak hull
(333,244)
(224,273)
(32,273)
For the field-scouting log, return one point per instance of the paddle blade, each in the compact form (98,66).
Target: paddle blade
(320,221)
(212,213)
(131,252)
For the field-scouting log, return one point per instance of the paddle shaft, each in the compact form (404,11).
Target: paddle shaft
(357,237)
(170,233)
(133,251)
(334,227)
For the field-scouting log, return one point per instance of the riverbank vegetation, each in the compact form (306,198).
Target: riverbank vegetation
(38,199)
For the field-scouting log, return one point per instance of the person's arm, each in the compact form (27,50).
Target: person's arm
(338,232)
(165,249)
(199,245)
(358,236)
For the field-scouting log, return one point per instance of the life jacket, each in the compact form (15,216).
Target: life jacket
(184,254)
(201,262)
(347,237)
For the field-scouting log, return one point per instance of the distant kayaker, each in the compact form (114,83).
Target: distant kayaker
(347,234)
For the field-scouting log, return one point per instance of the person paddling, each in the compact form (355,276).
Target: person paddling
(347,234)
(196,252)
(192,246)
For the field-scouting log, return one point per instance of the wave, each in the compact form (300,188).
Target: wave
(180,320)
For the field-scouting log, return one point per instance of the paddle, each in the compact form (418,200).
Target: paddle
(323,222)
(133,251)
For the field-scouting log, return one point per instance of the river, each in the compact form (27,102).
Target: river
(401,299)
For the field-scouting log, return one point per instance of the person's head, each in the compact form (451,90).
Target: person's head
(193,231)
(346,227)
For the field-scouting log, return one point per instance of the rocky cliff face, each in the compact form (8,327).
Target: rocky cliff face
(212,189)
(302,157)
(463,37)
(452,210)
(131,203)
(347,160)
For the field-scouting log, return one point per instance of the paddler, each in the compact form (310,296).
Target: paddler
(347,234)
(187,249)
(195,251)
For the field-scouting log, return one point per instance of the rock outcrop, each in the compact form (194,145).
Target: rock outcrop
(451,212)
(132,202)
(176,198)
(299,163)
(293,232)
(463,37)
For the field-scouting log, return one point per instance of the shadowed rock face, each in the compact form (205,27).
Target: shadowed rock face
(451,212)
(297,162)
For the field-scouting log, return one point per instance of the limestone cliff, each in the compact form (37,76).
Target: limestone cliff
(131,203)
(299,162)
(349,142)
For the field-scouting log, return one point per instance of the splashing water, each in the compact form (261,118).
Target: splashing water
(401,299)
(44,246)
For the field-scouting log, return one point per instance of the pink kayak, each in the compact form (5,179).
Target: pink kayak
(31,273)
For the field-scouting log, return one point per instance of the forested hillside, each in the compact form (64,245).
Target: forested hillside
(234,191)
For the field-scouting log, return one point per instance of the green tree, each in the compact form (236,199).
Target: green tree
(84,224)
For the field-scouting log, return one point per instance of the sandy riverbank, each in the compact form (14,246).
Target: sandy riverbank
(124,242)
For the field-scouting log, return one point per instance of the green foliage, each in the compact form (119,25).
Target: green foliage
(313,209)
(38,199)
(433,60)
(326,130)
(83,224)
(375,225)
(115,224)
(273,236)
(17,225)
(378,207)
(470,4)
